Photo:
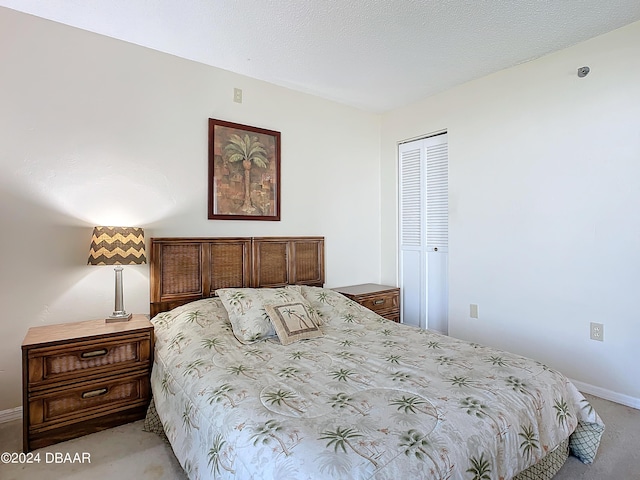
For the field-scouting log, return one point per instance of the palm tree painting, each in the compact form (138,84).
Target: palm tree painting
(250,151)
(244,172)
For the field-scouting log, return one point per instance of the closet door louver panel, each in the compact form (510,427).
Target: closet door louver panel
(412,232)
(437,197)
(411,198)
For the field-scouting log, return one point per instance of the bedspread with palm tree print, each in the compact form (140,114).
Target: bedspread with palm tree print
(370,399)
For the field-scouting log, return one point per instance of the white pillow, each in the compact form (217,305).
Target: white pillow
(246,309)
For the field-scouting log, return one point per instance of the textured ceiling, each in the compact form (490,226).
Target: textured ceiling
(372,54)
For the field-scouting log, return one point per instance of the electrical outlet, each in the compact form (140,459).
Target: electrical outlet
(237,95)
(597,332)
(473,310)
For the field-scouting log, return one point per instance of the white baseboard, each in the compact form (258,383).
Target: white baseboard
(627,400)
(10,415)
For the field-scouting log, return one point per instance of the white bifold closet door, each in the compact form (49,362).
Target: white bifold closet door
(424,232)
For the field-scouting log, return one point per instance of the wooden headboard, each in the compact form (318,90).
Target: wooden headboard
(186,269)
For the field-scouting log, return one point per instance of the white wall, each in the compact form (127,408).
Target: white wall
(545,231)
(95,131)
(544,208)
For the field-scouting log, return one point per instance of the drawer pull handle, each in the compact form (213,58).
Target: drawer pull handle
(94,393)
(379,302)
(94,353)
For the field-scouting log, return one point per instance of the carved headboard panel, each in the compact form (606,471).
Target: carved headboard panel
(186,269)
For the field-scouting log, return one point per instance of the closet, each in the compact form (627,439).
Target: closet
(424,232)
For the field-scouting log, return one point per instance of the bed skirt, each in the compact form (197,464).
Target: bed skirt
(547,468)
(152,422)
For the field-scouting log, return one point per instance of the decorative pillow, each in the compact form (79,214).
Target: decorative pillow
(293,321)
(245,307)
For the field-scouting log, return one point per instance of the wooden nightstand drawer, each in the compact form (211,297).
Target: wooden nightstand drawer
(69,405)
(382,299)
(84,359)
(380,302)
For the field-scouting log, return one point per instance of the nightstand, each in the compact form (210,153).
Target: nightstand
(80,378)
(382,299)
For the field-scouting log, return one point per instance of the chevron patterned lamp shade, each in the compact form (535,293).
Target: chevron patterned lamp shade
(117,246)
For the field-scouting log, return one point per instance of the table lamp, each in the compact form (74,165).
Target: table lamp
(117,246)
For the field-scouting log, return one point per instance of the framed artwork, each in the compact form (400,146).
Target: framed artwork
(244,172)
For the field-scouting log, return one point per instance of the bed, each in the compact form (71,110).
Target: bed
(241,392)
